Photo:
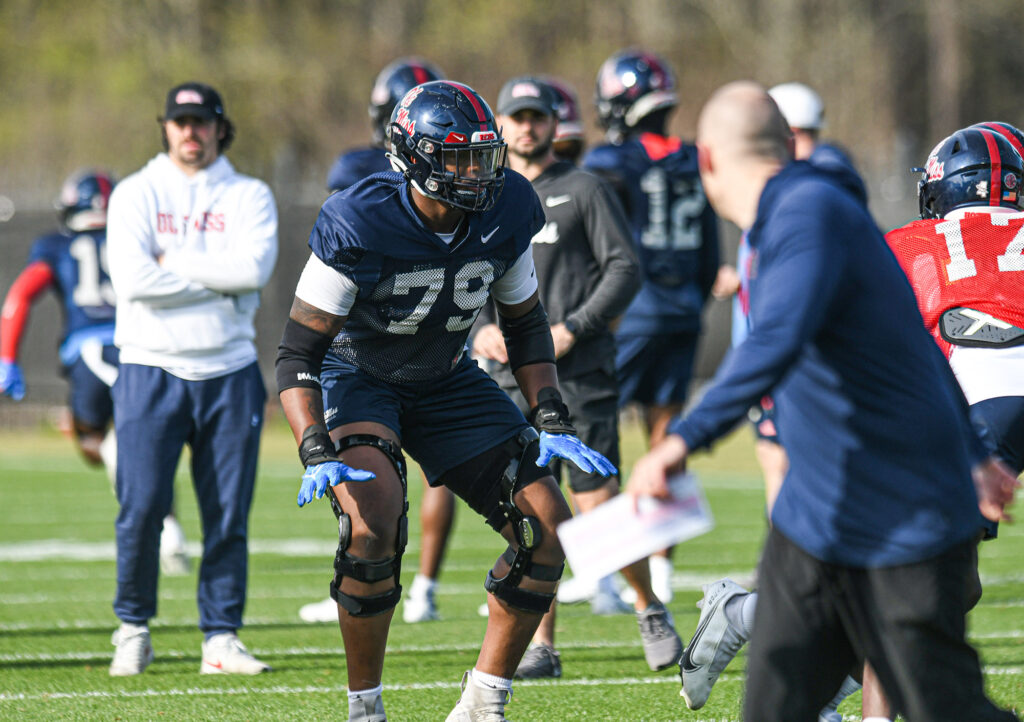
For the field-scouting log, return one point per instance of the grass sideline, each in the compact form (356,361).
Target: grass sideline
(57,582)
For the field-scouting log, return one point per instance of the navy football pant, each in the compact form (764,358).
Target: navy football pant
(155,415)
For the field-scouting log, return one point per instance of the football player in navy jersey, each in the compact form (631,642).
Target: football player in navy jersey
(401,265)
(437,507)
(395,80)
(675,233)
(73,262)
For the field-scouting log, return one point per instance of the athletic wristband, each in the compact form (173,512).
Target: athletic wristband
(550,414)
(316,446)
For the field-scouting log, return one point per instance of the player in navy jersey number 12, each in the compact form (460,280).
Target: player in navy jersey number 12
(401,265)
(73,262)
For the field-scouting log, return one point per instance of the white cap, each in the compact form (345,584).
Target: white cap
(801,106)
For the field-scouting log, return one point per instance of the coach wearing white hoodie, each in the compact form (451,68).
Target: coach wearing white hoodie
(190,243)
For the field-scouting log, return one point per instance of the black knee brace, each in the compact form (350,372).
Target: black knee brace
(369,570)
(528,537)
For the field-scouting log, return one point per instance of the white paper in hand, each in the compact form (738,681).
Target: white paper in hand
(612,535)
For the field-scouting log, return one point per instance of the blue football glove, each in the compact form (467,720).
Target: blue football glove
(318,476)
(11,382)
(567,446)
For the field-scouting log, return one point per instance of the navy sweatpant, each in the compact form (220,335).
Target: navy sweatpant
(155,415)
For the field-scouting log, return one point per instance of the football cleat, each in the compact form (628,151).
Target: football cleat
(662,645)
(479,704)
(366,710)
(225,654)
(713,646)
(326,610)
(540,661)
(419,605)
(134,650)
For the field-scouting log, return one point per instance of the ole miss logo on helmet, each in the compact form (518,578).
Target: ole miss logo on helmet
(407,124)
(934,169)
(411,96)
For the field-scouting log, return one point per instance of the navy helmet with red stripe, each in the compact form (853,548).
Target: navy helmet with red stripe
(394,81)
(632,84)
(444,139)
(975,166)
(84,196)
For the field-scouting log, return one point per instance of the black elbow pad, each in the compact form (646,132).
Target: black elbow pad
(300,356)
(528,338)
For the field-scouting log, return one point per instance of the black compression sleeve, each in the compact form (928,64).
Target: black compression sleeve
(528,338)
(299,356)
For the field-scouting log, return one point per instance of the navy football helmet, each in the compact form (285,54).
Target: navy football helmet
(630,85)
(84,196)
(972,167)
(1012,134)
(394,81)
(568,142)
(445,141)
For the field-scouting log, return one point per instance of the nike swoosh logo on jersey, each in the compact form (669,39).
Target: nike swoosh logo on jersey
(484,239)
(552,201)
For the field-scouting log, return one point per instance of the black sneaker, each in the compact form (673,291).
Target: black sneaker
(540,661)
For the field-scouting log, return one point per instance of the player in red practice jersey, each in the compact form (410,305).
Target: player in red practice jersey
(965,262)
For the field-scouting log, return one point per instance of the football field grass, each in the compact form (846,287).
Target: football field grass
(57,583)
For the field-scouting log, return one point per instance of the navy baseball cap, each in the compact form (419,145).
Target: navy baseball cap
(523,93)
(195,99)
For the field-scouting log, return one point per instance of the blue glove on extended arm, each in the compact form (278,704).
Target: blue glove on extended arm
(558,436)
(322,466)
(11,382)
(318,476)
(567,446)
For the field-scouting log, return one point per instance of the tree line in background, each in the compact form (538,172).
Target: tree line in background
(84,81)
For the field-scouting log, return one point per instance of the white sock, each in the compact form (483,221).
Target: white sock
(421,585)
(128,627)
(482,679)
(740,612)
(747,613)
(877,719)
(370,694)
(660,565)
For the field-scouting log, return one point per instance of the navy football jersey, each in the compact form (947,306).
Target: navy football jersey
(417,296)
(354,165)
(79,264)
(675,232)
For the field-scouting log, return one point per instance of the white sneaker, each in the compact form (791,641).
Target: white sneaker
(225,654)
(326,610)
(574,590)
(134,650)
(174,560)
(661,577)
(830,716)
(479,704)
(419,604)
(713,646)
